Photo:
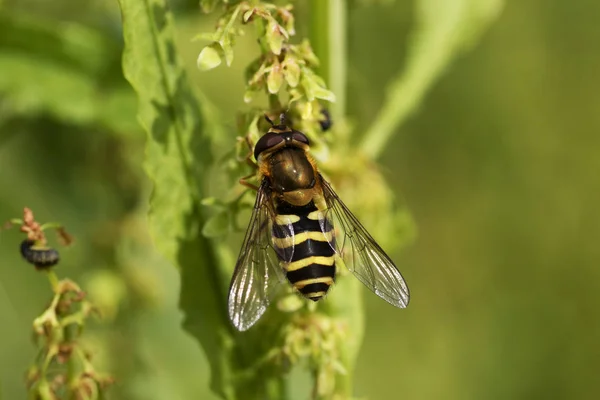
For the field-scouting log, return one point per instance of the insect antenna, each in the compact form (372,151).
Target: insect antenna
(282,119)
(269,120)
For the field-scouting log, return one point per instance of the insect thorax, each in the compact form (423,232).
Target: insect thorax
(291,170)
(292,176)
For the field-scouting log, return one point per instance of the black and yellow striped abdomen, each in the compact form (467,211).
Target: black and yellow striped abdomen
(311,268)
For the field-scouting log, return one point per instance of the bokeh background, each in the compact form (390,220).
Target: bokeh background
(500,167)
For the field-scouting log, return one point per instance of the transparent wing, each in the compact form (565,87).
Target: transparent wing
(257,274)
(362,255)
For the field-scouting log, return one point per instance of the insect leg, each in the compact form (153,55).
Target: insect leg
(244,181)
(248,157)
(248,160)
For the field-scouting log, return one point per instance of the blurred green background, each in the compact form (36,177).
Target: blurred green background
(500,167)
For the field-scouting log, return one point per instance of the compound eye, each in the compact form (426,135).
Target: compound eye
(266,142)
(300,137)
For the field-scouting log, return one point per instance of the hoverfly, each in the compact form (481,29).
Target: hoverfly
(300,230)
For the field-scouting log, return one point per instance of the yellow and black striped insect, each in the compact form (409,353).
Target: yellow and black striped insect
(300,230)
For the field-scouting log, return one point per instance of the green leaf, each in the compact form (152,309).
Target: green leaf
(291,71)
(227,46)
(217,225)
(275,78)
(208,58)
(313,87)
(250,94)
(35,88)
(43,390)
(208,5)
(228,35)
(288,20)
(206,36)
(177,158)
(306,52)
(274,36)
(68,44)
(444,30)
(60,69)
(247,15)
(212,202)
(321,93)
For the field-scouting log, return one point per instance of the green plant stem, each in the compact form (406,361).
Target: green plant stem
(327,35)
(69,338)
(260,27)
(318,34)
(53,279)
(50,225)
(338,55)
(51,352)
(394,111)
(442,31)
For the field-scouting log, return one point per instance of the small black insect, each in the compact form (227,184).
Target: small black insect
(326,122)
(42,257)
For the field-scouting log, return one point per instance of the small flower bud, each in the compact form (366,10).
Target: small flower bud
(208,58)
(291,71)
(275,36)
(275,78)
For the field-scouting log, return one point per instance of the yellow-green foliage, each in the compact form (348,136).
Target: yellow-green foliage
(473,121)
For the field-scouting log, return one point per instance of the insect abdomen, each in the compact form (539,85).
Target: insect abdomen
(312,267)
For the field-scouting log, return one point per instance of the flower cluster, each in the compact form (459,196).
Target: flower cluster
(285,72)
(62,368)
